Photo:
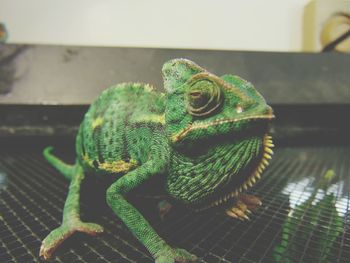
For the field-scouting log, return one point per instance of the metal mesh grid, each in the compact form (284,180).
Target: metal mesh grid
(32,196)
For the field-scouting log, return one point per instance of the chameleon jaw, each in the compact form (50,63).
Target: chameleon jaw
(177,137)
(252,179)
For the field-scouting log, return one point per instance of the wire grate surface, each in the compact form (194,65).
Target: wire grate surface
(32,196)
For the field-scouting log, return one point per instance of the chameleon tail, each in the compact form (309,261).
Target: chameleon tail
(66,169)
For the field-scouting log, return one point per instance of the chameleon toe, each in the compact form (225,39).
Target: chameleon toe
(90,228)
(183,256)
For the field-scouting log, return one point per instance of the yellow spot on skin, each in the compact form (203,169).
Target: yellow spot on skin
(87,160)
(152,118)
(97,122)
(119,166)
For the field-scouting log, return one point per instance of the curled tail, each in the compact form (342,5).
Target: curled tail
(66,169)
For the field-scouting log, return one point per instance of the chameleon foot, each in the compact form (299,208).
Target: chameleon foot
(251,201)
(58,235)
(243,207)
(164,208)
(175,255)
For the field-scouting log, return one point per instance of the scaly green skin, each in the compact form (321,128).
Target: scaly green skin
(206,137)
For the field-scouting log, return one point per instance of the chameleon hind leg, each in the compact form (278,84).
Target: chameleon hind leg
(71,222)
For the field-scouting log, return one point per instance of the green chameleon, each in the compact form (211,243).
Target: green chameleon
(206,139)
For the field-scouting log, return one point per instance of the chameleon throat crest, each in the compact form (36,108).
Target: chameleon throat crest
(252,179)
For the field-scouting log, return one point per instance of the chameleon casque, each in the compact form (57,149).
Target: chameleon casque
(206,138)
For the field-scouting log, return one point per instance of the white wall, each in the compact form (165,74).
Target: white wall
(272,25)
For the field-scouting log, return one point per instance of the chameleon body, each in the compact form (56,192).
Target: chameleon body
(205,138)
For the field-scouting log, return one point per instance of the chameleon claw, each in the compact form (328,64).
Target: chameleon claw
(238,212)
(53,240)
(231,214)
(242,206)
(252,202)
(241,209)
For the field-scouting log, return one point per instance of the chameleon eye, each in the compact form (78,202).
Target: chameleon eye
(203,97)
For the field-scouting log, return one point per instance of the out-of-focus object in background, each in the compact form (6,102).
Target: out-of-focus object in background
(327,26)
(3,33)
(335,34)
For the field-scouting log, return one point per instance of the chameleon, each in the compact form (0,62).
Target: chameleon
(205,139)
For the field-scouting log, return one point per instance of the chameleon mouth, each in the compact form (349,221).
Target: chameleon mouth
(252,178)
(203,125)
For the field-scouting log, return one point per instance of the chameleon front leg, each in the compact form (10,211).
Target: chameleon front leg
(137,224)
(71,219)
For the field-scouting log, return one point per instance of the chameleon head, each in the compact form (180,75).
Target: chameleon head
(206,113)
(202,105)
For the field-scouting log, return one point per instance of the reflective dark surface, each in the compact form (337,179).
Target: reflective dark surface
(32,204)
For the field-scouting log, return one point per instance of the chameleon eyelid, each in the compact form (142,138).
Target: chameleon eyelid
(214,101)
